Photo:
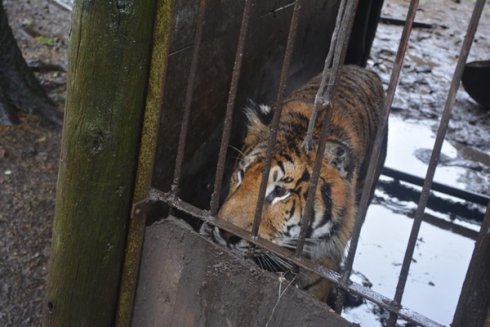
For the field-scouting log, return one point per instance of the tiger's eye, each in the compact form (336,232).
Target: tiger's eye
(277,192)
(280,191)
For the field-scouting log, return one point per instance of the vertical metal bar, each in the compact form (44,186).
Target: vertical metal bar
(277,107)
(225,138)
(474,301)
(319,98)
(188,97)
(441,132)
(378,143)
(338,59)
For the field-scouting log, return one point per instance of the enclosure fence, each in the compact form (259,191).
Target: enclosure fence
(323,101)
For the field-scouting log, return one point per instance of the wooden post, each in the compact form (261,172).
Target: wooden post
(146,159)
(110,53)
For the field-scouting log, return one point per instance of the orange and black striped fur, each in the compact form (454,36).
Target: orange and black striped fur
(356,116)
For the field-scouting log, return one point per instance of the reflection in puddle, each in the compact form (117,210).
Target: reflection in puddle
(436,274)
(406,142)
(441,256)
(408,150)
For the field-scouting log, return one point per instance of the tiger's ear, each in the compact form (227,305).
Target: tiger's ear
(259,117)
(340,156)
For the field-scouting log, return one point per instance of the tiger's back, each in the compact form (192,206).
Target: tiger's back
(356,115)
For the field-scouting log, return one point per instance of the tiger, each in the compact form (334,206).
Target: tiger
(355,118)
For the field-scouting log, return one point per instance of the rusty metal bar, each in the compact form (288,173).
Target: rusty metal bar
(338,59)
(474,301)
(277,107)
(384,302)
(319,98)
(225,138)
(378,143)
(188,97)
(436,151)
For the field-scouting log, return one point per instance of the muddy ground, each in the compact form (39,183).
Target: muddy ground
(29,151)
(28,167)
(427,72)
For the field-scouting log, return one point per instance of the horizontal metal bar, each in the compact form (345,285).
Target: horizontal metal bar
(367,293)
(439,187)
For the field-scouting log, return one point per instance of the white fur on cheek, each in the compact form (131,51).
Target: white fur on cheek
(239,178)
(285,196)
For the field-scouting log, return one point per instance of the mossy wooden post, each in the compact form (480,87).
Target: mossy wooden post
(110,53)
(146,159)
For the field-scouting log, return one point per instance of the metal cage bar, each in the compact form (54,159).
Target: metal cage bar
(277,108)
(338,59)
(436,151)
(378,143)
(320,99)
(384,302)
(225,138)
(323,101)
(188,97)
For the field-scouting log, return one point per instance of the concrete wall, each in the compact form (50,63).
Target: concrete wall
(187,281)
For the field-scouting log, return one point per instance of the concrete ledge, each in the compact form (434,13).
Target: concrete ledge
(187,281)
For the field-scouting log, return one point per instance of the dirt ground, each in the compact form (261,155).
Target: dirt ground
(427,72)
(28,167)
(29,152)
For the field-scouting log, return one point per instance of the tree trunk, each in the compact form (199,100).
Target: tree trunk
(19,88)
(110,50)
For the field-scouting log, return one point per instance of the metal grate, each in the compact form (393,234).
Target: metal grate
(334,59)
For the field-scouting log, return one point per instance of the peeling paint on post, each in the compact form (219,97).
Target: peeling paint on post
(110,53)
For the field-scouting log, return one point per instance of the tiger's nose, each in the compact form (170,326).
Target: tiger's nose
(229,237)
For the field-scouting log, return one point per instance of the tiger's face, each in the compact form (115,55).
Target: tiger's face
(287,189)
(355,118)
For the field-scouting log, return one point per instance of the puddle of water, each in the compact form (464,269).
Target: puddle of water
(405,138)
(441,257)
(436,274)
